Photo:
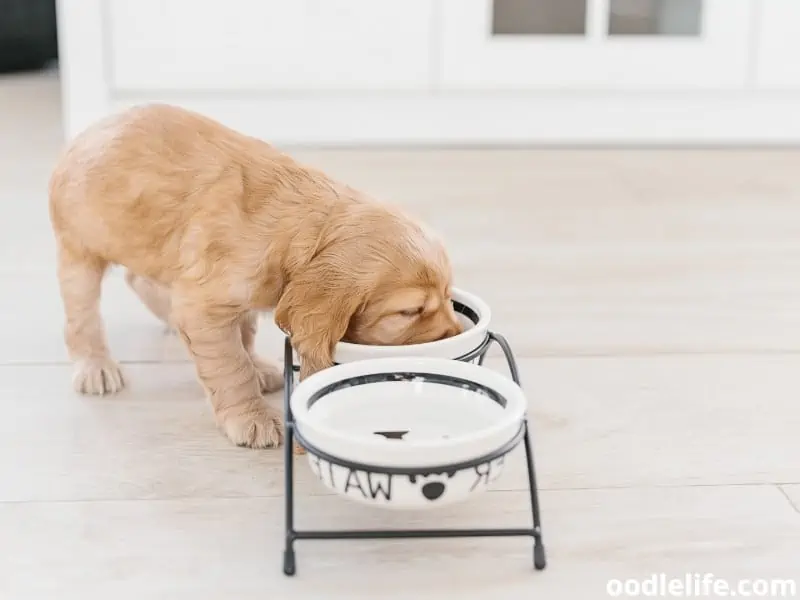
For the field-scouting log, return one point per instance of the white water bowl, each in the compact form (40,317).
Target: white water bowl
(408,432)
(473,313)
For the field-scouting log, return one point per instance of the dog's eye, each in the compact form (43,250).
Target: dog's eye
(412,312)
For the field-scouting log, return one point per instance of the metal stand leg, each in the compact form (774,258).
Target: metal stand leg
(539,558)
(289,565)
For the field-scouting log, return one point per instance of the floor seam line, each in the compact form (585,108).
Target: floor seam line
(786,495)
(324,495)
(520,357)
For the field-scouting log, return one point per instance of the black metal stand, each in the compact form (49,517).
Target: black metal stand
(292,534)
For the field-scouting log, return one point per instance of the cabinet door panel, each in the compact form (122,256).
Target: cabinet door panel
(269,44)
(186,44)
(372,44)
(603,44)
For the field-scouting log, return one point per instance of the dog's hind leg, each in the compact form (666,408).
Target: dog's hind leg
(80,277)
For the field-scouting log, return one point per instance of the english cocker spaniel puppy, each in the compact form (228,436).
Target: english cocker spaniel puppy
(214,226)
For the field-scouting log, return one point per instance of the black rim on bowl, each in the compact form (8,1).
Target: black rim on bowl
(397,376)
(463,309)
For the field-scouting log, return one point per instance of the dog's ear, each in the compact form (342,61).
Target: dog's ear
(315,310)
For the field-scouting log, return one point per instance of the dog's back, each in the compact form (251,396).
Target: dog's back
(132,187)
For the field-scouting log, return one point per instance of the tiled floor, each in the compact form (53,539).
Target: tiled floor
(654,299)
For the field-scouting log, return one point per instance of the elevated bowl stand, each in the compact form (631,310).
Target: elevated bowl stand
(293,534)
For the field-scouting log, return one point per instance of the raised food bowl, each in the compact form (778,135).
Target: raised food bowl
(474,314)
(408,432)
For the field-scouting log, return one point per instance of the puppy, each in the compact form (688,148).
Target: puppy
(215,226)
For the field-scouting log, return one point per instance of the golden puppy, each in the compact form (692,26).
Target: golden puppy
(214,226)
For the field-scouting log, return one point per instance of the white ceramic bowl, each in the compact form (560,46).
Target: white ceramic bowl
(474,314)
(408,432)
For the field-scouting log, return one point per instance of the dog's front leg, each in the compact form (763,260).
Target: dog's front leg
(270,373)
(213,337)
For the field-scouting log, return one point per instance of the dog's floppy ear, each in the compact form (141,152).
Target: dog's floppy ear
(315,311)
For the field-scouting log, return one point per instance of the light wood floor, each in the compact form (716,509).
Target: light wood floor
(654,300)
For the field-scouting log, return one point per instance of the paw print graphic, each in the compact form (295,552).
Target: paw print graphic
(432,485)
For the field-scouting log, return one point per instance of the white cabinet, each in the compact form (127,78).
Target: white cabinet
(445,71)
(777,50)
(606,44)
(269,44)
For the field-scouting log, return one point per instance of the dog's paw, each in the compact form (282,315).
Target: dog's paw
(97,376)
(259,427)
(270,374)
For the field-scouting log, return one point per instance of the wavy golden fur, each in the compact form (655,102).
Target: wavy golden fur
(213,227)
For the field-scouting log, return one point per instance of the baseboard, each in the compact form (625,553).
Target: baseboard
(586,118)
